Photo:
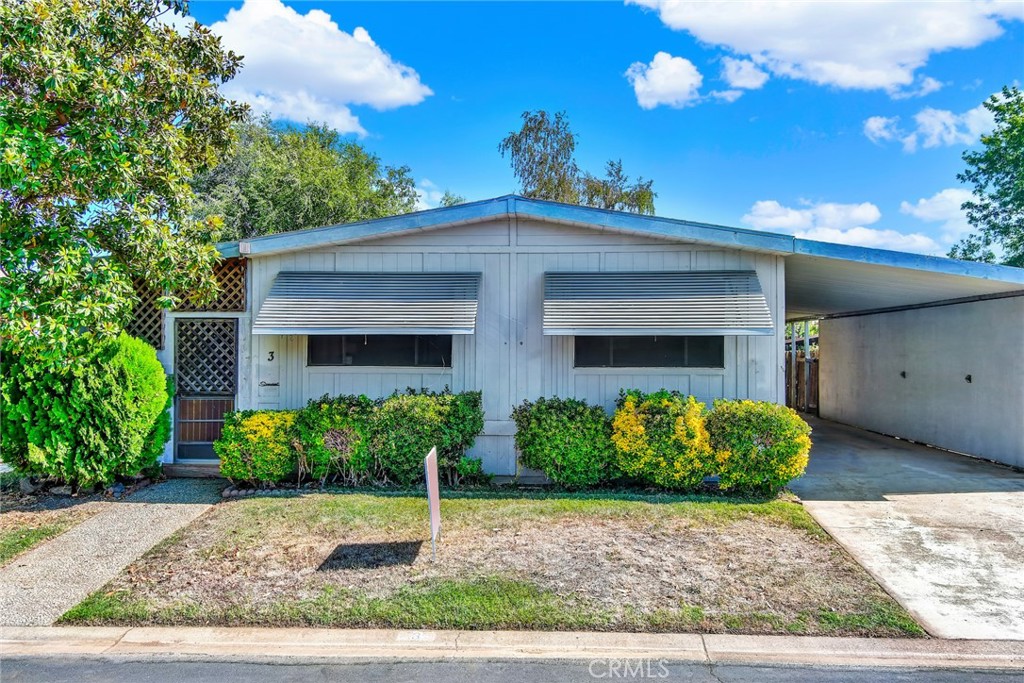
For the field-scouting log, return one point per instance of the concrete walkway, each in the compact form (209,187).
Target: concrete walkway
(311,645)
(943,533)
(41,585)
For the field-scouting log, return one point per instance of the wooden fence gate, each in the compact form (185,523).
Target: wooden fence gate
(805,396)
(206,376)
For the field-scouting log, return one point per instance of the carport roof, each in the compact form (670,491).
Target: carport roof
(821,278)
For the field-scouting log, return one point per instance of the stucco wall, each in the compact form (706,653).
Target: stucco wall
(862,358)
(509,358)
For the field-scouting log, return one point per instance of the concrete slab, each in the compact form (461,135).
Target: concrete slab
(44,583)
(943,533)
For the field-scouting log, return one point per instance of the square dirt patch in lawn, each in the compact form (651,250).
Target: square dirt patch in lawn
(504,562)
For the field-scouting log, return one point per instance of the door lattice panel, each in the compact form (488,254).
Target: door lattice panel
(147,321)
(230,275)
(205,356)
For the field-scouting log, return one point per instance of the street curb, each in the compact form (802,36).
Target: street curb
(348,645)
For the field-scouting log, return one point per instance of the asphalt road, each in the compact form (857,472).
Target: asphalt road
(79,670)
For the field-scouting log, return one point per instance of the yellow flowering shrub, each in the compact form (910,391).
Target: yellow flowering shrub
(257,446)
(660,439)
(759,446)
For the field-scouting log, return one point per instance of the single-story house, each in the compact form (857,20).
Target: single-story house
(521,298)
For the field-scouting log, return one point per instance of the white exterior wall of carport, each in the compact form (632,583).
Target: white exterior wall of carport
(937,347)
(508,358)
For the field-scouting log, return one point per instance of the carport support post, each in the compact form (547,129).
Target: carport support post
(807,365)
(792,366)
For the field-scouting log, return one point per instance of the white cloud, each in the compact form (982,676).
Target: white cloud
(941,127)
(925,86)
(673,81)
(882,128)
(932,128)
(428,195)
(727,95)
(303,67)
(839,223)
(857,45)
(742,73)
(943,207)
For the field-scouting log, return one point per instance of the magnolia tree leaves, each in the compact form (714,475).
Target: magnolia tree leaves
(106,112)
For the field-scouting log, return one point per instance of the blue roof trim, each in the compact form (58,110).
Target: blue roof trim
(667,228)
(379,227)
(901,259)
(670,228)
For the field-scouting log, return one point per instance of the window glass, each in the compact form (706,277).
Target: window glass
(381,350)
(663,351)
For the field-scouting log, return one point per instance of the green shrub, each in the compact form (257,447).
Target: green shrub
(406,426)
(660,438)
(567,439)
(332,440)
(102,417)
(760,446)
(257,446)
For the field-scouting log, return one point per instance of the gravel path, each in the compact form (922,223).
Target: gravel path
(44,583)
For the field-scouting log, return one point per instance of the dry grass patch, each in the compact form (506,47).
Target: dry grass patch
(26,521)
(553,562)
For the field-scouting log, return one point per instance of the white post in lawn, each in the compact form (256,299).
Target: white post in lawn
(433,499)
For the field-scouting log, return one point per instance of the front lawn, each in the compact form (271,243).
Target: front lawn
(516,561)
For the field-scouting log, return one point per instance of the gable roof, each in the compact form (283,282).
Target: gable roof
(821,278)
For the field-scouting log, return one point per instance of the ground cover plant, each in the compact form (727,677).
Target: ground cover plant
(511,561)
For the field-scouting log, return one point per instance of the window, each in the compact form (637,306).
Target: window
(419,350)
(650,352)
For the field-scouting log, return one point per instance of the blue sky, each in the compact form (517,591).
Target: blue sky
(840,121)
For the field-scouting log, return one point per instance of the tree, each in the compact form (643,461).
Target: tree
(286,178)
(541,153)
(542,158)
(451,199)
(616,193)
(105,113)
(997,173)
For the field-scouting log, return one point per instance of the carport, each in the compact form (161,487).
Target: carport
(919,347)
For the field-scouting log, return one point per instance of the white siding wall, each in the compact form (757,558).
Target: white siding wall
(509,358)
(862,358)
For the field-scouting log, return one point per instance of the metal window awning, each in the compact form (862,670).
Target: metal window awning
(370,303)
(651,303)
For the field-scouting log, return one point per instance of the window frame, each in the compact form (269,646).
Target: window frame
(355,366)
(673,368)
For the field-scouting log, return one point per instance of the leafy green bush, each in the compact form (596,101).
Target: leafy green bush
(567,439)
(332,440)
(406,426)
(104,416)
(760,446)
(257,446)
(660,438)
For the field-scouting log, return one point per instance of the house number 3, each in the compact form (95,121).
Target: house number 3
(270,356)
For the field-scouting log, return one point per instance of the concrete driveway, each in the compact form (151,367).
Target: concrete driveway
(943,533)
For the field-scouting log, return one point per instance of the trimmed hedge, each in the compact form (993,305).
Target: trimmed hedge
(256,446)
(660,439)
(760,446)
(567,439)
(406,426)
(105,416)
(332,440)
(353,440)
(664,439)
